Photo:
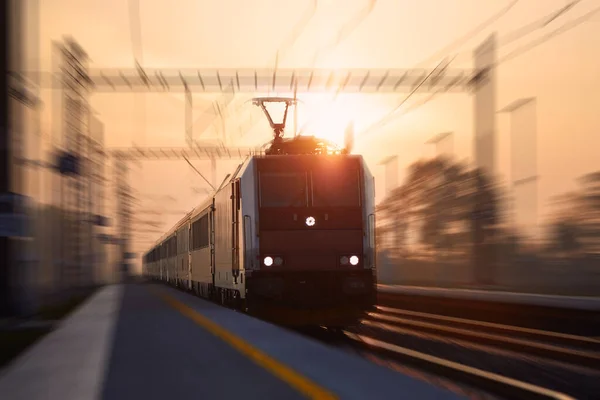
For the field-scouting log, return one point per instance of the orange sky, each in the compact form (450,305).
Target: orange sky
(562,73)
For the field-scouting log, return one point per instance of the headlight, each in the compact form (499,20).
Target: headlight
(352,260)
(269,261)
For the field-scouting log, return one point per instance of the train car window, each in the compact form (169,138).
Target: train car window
(195,235)
(200,233)
(280,189)
(204,233)
(335,188)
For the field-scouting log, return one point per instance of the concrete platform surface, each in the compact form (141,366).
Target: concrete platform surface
(146,341)
(567,302)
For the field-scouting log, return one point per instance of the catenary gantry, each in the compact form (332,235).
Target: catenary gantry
(280,80)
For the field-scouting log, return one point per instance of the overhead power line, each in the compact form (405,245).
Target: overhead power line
(530,28)
(439,69)
(198,172)
(442,53)
(541,40)
(281,53)
(457,43)
(514,54)
(521,32)
(296,32)
(344,32)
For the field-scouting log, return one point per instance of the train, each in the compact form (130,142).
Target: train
(288,237)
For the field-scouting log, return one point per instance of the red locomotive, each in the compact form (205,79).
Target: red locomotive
(289,237)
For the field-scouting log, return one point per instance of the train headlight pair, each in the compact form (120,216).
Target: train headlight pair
(268,261)
(352,260)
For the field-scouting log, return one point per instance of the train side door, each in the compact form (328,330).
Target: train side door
(188,253)
(211,222)
(235,226)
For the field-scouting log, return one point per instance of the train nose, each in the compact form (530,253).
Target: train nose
(354,285)
(270,287)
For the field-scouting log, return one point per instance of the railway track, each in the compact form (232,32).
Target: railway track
(503,360)
(573,349)
(478,359)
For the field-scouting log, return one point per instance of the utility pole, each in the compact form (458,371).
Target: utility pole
(485,99)
(14,210)
(444,147)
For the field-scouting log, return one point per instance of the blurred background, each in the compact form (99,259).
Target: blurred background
(486,161)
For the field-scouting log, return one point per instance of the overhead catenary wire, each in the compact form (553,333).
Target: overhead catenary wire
(345,31)
(567,26)
(199,173)
(342,35)
(458,42)
(529,28)
(541,40)
(286,45)
(440,67)
(296,32)
(441,53)
(514,54)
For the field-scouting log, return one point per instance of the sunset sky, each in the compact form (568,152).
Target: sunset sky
(563,73)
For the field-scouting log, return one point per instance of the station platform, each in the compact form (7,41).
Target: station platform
(564,302)
(149,341)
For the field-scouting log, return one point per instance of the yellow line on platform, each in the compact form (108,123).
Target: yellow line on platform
(283,372)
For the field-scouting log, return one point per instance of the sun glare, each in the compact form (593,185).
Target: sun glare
(327,119)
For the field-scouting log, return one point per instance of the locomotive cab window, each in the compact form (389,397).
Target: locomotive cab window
(336,188)
(283,189)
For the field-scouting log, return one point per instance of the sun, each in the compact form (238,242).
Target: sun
(326,116)
(327,119)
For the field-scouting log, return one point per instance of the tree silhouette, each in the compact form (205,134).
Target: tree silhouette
(444,203)
(575,226)
(567,236)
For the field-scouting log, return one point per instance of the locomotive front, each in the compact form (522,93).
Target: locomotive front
(316,232)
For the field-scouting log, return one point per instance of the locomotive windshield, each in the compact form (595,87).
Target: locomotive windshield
(283,189)
(318,187)
(335,188)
